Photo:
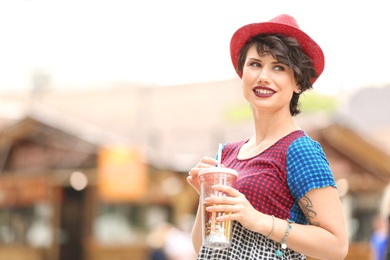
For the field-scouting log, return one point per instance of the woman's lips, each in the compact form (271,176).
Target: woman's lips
(263,92)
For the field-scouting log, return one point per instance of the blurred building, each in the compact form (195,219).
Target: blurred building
(108,167)
(89,174)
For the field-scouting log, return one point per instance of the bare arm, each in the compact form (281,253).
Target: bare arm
(197,230)
(325,236)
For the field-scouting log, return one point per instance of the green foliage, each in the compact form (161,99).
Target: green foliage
(310,101)
(241,112)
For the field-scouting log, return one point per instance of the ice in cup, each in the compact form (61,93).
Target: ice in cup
(215,234)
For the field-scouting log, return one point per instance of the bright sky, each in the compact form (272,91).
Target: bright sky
(90,43)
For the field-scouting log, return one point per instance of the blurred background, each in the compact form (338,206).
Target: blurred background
(106,105)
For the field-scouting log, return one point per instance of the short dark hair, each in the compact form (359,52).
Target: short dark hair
(287,51)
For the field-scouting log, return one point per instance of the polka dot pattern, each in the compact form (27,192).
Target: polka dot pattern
(273,182)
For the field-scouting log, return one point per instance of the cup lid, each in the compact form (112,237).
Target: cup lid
(218,170)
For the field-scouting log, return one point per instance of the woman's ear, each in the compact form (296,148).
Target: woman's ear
(298,89)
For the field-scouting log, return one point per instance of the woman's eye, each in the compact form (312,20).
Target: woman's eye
(254,64)
(279,68)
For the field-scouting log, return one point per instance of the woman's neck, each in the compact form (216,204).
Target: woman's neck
(271,127)
(268,130)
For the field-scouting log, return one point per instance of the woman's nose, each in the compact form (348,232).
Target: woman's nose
(263,76)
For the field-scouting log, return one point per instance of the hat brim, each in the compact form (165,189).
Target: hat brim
(309,46)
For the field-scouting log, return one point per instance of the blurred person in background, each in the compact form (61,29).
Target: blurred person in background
(378,240)
(385,215)
(178,243)
(172,242)
(156,241)
(285,204)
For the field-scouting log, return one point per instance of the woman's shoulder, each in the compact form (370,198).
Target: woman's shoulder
(284,143)
(304,142)
(305,147)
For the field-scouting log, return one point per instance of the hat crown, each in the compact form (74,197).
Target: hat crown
(285,19)
(283,24)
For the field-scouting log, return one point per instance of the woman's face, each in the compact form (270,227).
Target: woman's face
(268,85)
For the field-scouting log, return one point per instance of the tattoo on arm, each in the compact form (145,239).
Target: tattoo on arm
(307,208)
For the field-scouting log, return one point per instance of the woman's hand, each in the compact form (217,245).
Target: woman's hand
(193,178)
(237,205)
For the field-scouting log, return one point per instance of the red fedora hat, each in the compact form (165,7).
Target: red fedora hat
(283,24)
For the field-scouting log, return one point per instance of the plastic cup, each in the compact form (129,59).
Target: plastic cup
(215,234)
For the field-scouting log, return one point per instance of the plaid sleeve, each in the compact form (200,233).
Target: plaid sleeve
(307,167)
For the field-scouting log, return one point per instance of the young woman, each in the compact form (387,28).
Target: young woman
(285,204)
